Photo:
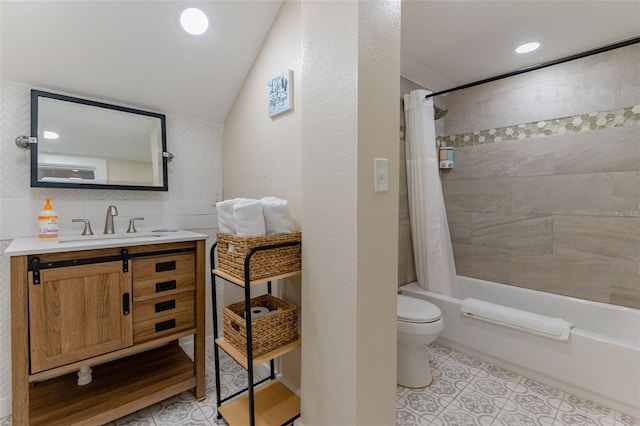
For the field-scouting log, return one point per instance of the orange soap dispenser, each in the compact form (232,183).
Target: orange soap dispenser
(48,221)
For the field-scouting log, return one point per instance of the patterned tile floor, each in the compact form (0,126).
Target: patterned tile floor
(465,392)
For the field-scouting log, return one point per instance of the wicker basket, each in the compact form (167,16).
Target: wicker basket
(269,332)
(232,250)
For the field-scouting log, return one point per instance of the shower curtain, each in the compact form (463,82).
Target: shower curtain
(432,249)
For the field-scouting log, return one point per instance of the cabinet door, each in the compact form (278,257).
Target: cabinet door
(78,312)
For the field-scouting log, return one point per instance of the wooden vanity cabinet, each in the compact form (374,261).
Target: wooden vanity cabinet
(118,310)
(78,312)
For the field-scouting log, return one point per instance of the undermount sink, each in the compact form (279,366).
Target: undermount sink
(137,235)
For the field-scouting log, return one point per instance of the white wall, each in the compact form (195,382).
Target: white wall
(262,155)
(195,179)
(351,70)
(316,156)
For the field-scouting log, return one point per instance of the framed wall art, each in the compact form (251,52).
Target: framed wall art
(280,93)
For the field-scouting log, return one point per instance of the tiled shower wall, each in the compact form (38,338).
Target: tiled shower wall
(545,192)
(195,181)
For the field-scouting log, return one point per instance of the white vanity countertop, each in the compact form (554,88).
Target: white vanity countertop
(74,242)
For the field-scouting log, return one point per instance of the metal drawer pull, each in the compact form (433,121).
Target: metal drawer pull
(166,266)
(166,285)
(165,306)
(165,325)
(126,304)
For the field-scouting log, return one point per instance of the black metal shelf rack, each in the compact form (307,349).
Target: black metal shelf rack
(275,405)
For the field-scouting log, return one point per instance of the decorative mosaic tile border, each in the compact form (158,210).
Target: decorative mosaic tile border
(559,126)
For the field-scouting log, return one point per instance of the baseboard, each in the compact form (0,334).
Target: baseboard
(287,384)
(186,343)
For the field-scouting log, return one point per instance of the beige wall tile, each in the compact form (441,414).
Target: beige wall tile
(582,194)
(519,234)
(613,237)
(625,284)
(628,76)
(463,160)
(626,194)
(486,263)
(615,149)
(513,158)
(578,276)
(559,213)
(406,266)
(478,195)
(460,226)
(597,83)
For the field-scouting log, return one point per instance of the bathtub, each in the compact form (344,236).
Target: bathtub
(599,362)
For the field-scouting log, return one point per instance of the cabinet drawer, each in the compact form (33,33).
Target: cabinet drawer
(162,326)
(163,267)
(160,287)
(162,306)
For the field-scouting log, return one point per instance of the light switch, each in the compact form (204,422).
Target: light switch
(381,168)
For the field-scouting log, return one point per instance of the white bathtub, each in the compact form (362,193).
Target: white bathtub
(600,362)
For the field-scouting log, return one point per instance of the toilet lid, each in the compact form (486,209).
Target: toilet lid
(411,309)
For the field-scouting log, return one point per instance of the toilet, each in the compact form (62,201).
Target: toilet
(419,323)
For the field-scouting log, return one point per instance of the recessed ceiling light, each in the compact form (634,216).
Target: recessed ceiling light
(194,21)
(527,47)
(48,134)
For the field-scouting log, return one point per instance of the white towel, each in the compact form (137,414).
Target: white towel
(249,218)
(554,328)
(276,215)
(226,222)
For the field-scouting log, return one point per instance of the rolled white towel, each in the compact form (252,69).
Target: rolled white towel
(554,328)
(276,215)
(226,222)
(249,218)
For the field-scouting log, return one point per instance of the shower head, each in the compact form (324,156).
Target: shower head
(438,113)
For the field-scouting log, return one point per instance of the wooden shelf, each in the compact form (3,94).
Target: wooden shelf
(274,405)
(118,388)
(240,282)
(242,358)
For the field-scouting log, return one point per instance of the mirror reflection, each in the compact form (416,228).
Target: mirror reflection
(82,143)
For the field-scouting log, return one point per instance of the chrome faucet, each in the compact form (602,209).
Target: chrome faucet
(108,224)
(87,226)
(132,225)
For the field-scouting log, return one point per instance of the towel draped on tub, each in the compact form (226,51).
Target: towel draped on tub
(553,328)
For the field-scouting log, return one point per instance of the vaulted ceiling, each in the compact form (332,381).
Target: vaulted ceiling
(134,53)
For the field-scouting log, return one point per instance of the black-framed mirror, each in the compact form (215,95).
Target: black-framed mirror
(94,145)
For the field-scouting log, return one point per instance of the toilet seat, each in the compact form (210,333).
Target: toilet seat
(417,311)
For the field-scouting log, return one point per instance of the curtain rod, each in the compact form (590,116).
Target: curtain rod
(542,65)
